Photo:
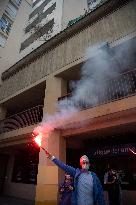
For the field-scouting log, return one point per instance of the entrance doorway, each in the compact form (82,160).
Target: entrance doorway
(3,168)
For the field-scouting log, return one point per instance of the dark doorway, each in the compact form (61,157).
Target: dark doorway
(3,168)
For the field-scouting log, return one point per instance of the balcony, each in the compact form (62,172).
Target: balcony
(122,86)
(10,13)
(5,26)
(22,119)
(16,3)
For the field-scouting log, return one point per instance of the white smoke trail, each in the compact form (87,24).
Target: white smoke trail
(92,88)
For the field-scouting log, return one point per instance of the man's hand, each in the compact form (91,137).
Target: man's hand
(49,156)
(70,188)
(62,190)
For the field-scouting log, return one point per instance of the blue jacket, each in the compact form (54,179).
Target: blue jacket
(98,196)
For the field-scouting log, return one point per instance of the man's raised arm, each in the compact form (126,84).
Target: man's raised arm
(61,165)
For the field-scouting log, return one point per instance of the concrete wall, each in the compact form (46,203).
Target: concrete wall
(77,8)
(25,191)
(108,115)
(17,135)
(73,9)
(49,175)
(10,53)
(2,112)
(3,4)
(56,15)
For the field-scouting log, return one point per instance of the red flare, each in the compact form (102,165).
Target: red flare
(38,140)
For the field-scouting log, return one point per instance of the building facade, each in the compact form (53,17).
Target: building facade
(32,87)
(48,18)
(13,16)
(44,22)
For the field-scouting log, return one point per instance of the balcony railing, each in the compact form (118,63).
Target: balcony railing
(22,119)
(5,26)
(121,86)
(10,12)
(18,2)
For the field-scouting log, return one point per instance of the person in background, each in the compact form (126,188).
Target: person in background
(65,190)
(87,187)
(111,179)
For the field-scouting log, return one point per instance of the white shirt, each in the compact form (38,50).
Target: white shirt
(85,189)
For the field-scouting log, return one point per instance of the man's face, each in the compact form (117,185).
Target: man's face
(85,164)
(67,176)
(110,171)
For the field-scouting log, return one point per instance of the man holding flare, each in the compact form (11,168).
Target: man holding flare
(87,187)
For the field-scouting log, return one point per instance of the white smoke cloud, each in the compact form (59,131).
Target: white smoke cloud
(98,75)
(95,73)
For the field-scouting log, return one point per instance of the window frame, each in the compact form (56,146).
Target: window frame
(11,10)
(7,24)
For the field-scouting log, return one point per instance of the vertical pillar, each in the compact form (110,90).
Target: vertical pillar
(2,112)
(49,175)
(8,178)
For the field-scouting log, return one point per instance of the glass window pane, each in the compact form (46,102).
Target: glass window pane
(18,2)
(93,3)
(11,10)
(2,41)
(5,25)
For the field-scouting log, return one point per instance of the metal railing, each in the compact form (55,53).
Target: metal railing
(10,12)
(22,119)
(18,2)
(5,26)
(121,86)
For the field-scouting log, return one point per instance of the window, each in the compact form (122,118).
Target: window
(2,41)
(18,2)
(36,2)
(11,10)
(26,166)
(93,3)
(5,25)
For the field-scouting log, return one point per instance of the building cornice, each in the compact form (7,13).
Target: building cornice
(92,17)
